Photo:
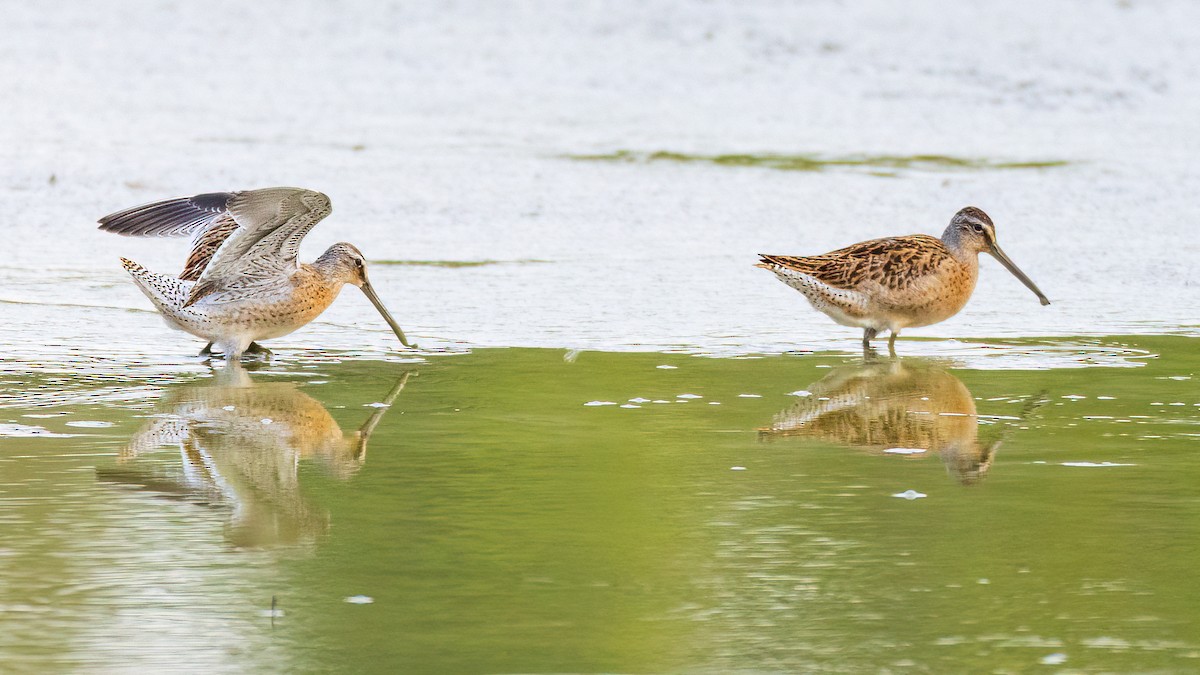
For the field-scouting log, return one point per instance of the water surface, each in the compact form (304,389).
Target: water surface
(564,203)
(515,511)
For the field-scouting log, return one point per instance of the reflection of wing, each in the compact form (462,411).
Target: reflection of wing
(259,250)
(159,432)
(240,445)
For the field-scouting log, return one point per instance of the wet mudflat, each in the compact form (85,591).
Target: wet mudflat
(509,510)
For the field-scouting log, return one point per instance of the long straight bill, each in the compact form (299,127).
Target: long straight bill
(370,293)
(1016,271)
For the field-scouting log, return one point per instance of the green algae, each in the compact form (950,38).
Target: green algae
(882,165)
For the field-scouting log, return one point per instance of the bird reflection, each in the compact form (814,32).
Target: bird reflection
(905,406)
(241,444)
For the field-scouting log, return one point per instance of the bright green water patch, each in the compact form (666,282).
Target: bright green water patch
(880,164)
(501,511)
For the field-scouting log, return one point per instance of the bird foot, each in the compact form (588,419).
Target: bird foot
(258,352)
(254,349)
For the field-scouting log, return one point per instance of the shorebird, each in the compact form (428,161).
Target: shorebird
(897,282)
(242,281)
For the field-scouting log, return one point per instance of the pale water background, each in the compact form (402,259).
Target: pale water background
(617,166)
(440,130)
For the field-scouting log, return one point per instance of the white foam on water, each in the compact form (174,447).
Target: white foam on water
(27,431)
(1095,464)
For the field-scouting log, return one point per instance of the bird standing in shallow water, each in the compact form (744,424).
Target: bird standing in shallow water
(897,282)
(242,281)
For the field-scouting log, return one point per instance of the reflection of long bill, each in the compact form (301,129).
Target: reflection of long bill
(370,293)
(996,253)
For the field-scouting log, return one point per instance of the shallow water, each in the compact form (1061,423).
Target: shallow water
(516,511)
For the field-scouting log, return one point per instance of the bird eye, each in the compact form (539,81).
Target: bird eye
(977,227)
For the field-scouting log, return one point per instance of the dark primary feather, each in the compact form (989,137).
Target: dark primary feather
(170,218)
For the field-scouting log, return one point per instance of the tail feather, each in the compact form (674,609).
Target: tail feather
(163,290)
(778,262)
(765,261)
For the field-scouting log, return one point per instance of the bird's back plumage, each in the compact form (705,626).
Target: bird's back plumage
(892,262)
(881,284)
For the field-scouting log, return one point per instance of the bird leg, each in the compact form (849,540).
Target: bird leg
(868,333)
(892,343)
(256,348)
(207,351)
(868,353)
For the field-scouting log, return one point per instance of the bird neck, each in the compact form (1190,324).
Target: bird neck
(333,268)
(956,244)
(321,276)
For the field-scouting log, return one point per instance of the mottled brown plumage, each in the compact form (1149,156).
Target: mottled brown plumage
(242,281)
(206,246)
(904,406)
(897,282)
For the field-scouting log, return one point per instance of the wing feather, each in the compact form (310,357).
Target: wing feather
(262,250)
(170,218)
(877,260)
(206,245)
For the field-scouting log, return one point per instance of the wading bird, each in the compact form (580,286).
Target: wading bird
(242,281)
(897,282)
